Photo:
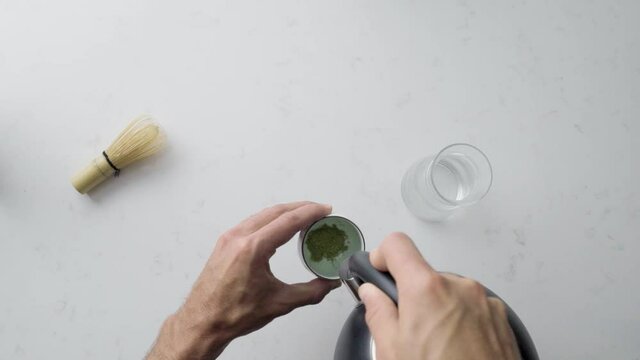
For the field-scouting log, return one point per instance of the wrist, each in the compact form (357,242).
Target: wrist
(183,337)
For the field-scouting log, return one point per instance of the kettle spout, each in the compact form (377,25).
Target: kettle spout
(350,281)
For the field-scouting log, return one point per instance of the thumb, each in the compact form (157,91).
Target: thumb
(309,293)
(381,314)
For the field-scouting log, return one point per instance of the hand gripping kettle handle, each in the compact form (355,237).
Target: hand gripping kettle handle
(358,270)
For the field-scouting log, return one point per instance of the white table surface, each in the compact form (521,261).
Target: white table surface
(266,102)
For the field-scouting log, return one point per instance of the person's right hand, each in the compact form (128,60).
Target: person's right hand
(439,316)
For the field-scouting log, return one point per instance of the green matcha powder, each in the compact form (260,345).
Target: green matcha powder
(326,242)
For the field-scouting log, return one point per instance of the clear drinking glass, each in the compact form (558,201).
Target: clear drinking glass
(435,186)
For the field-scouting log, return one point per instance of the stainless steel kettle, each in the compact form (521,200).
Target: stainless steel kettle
(355,341)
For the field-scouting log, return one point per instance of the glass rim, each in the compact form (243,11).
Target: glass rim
(439,154)
(303,237)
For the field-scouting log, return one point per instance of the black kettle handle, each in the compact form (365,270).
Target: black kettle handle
(359,269)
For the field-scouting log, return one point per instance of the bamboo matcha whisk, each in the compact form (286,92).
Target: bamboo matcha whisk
(140,139)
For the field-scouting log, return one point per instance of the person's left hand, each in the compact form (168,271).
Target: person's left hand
(237,293)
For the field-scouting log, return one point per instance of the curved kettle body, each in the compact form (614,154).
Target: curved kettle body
(355,341)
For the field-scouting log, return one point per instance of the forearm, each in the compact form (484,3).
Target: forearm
(183,339)
(237,293)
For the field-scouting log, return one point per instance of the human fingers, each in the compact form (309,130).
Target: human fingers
(264,217)
(398,255)
(381,317)
(308,293)
(282,229)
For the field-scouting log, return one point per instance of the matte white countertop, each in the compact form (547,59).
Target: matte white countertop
(265,102)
